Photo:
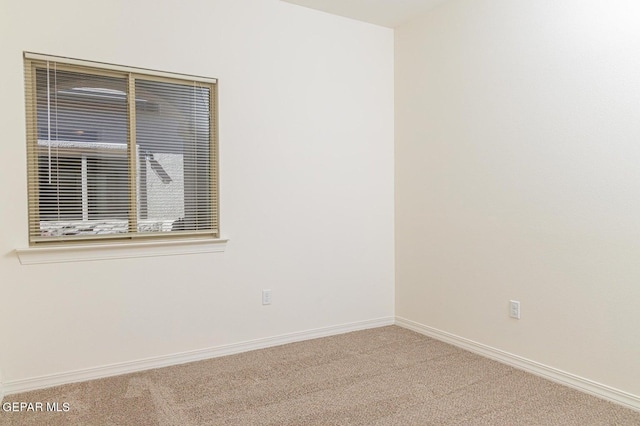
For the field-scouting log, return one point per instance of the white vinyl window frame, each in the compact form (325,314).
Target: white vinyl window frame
(132,243)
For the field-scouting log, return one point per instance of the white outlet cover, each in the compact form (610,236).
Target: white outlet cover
(514,309)
(266,297)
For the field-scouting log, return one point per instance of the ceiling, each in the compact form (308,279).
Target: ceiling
(388,13)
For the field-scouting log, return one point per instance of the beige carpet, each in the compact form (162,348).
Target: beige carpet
(384,376)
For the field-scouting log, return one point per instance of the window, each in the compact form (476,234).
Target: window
(117,152)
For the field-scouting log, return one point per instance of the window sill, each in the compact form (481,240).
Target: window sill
(81,253)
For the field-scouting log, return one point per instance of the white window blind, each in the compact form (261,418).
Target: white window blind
(117,154)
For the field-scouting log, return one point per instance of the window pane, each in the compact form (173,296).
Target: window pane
(174,157)
(60,194)
(82,153)
(107,187)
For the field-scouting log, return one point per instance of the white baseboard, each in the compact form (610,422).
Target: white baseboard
(24,385)
(550,373)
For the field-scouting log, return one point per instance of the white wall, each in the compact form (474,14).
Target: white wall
(518,177)
(306,130)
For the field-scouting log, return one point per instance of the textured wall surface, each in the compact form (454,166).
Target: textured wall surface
(306,160)
(517,129)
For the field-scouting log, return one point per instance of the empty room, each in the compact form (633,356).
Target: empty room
(365,212)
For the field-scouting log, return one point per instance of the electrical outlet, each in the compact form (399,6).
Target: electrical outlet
(514,309)
(266,297)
